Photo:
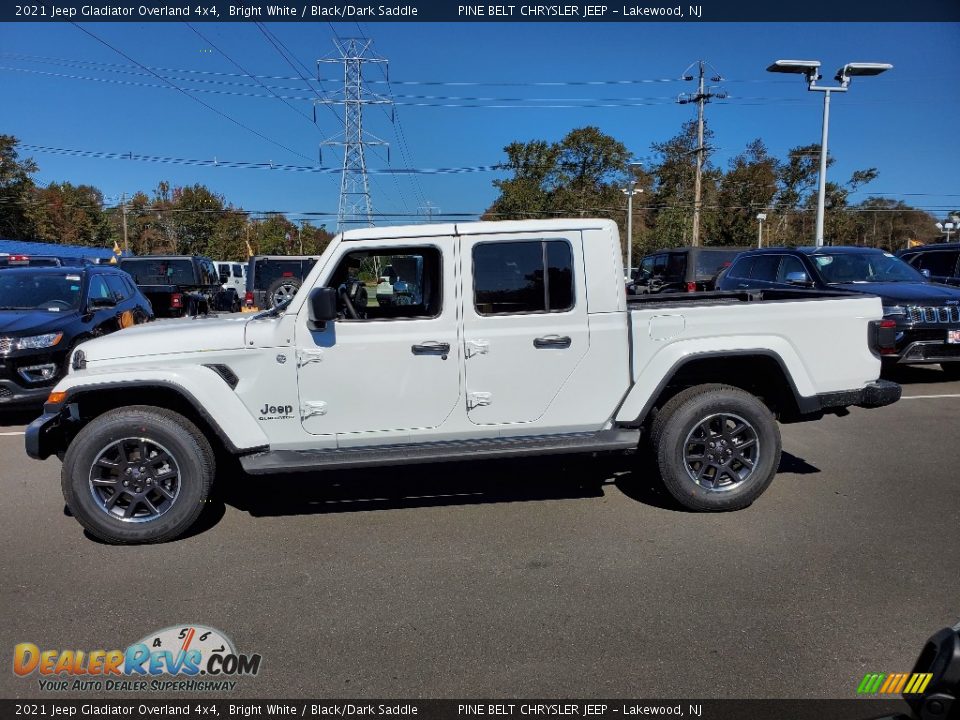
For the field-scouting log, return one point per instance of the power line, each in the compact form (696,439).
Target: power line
(184,92)
(247,73)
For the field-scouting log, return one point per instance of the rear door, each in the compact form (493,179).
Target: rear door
(524,322)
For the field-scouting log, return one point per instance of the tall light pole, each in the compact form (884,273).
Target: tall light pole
(948,226)
(760,218)
(630,190)
(811,70)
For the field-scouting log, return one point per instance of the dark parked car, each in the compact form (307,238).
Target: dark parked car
(274,279)
(46,311)
(926,314)
(179,285)
(686,269)
(941,263)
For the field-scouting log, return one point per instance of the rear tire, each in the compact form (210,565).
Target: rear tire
(717,446)
(137,475)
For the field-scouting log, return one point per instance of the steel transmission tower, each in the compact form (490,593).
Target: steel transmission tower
(354,208)
(702,96)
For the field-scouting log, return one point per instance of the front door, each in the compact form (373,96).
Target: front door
(524,322)
(391,361)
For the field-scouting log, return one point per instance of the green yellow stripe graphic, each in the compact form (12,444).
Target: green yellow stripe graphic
(894,683)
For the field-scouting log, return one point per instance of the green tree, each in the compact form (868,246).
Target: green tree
(16,191)
(70,215)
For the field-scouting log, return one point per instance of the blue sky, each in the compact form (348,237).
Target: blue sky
(903,123)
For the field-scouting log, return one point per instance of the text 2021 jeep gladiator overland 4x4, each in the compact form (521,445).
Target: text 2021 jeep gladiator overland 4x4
(522,342)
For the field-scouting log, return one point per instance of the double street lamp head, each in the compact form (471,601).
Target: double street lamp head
(811,70)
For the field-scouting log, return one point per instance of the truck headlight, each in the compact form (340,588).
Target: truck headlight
(889,310)
(38,342)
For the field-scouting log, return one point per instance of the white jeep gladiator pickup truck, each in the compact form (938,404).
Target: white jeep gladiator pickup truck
(505,339)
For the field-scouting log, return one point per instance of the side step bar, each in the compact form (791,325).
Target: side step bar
(274,461)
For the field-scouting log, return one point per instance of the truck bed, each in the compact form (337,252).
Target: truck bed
(723,297)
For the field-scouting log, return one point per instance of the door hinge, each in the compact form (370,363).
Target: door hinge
(477,347)
(309,408)
(305,357)
(478,399)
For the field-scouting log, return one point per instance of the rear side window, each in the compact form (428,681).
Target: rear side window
(237,270)
(711,262)
(676,267)
(941,263)
(523,277)
(118,287)
(267,270)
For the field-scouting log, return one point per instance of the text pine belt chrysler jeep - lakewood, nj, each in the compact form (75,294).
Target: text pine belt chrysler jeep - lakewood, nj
(513,339)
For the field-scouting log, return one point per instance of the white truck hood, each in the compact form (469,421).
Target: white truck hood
(168,337)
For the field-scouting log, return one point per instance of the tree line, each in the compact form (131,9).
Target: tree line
(189,220)
(583,174)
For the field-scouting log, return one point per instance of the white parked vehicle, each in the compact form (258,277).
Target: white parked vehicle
(518,339)
(233,276)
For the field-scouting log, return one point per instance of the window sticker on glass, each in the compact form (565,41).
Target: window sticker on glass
(824,260)
(74,287)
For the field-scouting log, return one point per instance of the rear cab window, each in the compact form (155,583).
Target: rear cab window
(528,276)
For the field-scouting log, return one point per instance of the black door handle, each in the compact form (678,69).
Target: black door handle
(552,341)
(431,348)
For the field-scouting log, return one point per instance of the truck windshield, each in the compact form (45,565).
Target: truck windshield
(159,271)
(839,268)
(55,292)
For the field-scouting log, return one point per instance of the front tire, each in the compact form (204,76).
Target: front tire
(717,446)
(137,475)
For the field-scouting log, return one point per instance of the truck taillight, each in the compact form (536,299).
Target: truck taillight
(884,336)
(248,299)
(691,286)
(176,300)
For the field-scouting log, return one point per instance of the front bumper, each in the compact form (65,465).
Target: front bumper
(876,394)
(12,394)
(45,435)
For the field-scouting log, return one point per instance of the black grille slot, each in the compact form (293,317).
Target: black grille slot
(228,375)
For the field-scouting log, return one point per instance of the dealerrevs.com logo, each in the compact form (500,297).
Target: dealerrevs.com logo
(178,658)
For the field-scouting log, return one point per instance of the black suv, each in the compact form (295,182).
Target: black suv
(179,285)
(274,279)
(941,263)
(686,269)
(927,315)
(46,311)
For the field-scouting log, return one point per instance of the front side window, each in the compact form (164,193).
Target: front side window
(741,268)
(528,276)
(941,263)
(765,268)
(387,284)
(789,265)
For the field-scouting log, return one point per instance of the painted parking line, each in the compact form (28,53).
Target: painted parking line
(11,434)
(928,397)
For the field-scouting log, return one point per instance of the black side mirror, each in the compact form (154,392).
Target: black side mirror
(322,307)
(101,302)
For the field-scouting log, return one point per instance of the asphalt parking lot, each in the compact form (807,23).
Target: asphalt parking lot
(567,577)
